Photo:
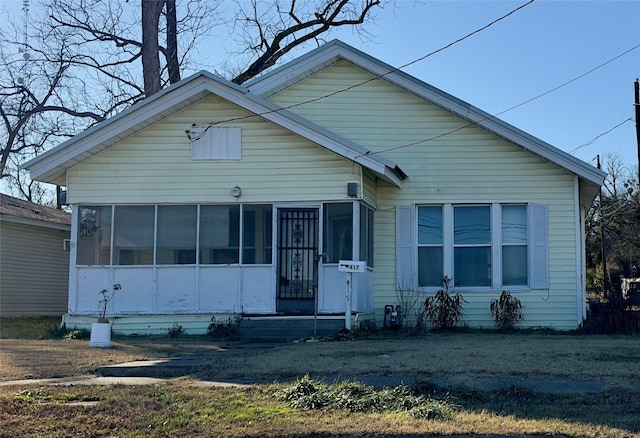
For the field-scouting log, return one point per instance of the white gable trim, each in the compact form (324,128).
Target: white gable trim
(335,50)
(52,165)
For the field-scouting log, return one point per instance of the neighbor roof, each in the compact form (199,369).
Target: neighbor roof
(18,210)
(334,51)
(53,164)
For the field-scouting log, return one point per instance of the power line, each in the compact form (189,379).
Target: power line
(600,135)
(375,77)
(493,116)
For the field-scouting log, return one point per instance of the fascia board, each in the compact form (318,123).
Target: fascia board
(317,59)
(34,223)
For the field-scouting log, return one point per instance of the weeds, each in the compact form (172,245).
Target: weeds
(445,308)
(229,329)
(309,394)
(175,331)
(63,332)
(506,311)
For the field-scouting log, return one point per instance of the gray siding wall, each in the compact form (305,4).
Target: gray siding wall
(34,270)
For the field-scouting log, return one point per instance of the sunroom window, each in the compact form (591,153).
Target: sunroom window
(176,244)
(133,235)
(219,234)
(94,235)
(338,231)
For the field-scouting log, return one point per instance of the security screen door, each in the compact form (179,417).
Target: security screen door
(297,283)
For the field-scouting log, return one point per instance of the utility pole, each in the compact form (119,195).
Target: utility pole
(602,245)
(637,108)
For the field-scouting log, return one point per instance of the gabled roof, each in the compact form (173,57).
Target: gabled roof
(25,212)
(52,165)
(334,51)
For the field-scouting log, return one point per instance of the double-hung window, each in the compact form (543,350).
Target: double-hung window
(472,245)
(480,246)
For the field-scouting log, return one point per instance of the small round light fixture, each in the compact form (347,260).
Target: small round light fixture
(236,192)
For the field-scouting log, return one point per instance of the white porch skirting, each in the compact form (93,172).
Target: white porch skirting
(144,325)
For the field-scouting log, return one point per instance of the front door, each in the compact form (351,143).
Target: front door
(297,284)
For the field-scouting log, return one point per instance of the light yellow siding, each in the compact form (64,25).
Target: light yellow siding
(34,270)
(458,164)
(155,165)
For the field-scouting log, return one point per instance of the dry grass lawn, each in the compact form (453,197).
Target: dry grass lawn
(181,407)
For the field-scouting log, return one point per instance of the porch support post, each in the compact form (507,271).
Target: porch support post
(347,308)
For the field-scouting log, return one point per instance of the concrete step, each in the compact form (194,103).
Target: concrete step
(261,328)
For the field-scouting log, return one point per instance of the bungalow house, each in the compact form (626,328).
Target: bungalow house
(211,199)
(34,258)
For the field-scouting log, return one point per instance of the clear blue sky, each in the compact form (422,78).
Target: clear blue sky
(538,48)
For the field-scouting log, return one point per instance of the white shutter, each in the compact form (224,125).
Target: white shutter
(539,246)
(406,277)
(216,143)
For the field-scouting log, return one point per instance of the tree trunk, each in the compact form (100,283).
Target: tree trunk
(151,10)
(173,64)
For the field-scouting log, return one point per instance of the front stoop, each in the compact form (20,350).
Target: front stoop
(289,327)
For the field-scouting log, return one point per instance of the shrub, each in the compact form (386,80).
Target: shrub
(506,311)
(175,330)
(445,308)
(229,329)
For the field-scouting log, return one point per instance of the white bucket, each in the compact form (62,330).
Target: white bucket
(100,335)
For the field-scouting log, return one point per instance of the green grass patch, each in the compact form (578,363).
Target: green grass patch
(28,327)
(308,394)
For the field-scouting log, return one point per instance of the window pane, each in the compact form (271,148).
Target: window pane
(514,224)
(219,234)
(338,231)
(94,236)
(472,225)
(514,265)
(430,266)
(366,235)
(430,225)
(472,266)
(176,240)
(257,234)
(133,235)
(370,237)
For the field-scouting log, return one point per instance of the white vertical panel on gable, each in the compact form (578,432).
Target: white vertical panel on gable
(216,143)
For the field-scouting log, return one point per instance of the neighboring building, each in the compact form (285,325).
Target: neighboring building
(34,258)
(212,199)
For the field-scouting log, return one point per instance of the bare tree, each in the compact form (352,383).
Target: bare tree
(270,30)
(84,59)
(618,213)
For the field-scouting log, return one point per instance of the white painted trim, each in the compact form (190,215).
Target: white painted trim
(581,298)
(72,298)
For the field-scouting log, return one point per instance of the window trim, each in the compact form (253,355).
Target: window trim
(449,246)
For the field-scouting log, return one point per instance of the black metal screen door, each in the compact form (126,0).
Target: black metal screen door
(297,260)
